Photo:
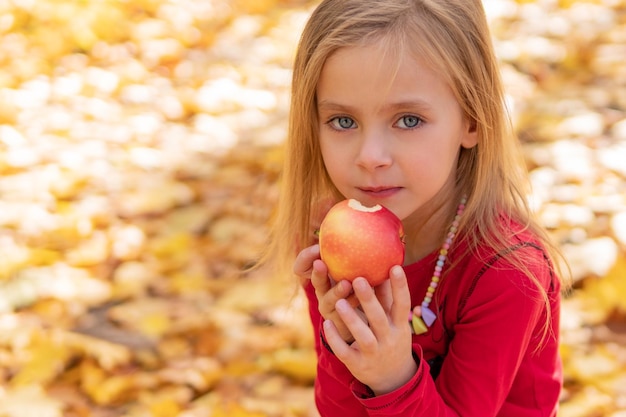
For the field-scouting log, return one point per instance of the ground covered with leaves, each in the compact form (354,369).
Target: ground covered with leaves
(139,160)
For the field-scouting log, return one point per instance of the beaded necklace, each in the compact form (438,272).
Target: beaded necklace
(422,317)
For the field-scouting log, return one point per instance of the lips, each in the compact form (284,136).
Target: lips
(380,192)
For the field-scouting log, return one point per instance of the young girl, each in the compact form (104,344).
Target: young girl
(399,103)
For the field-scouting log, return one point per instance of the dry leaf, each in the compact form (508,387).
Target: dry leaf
(299,364)
(140,152)
(29,401)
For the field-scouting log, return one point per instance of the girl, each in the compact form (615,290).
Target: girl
(399,103)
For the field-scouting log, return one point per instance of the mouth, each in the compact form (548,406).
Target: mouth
(380,192)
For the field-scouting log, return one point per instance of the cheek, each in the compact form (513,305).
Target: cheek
(435,164)
(333,167)
(337,169)
(331,156)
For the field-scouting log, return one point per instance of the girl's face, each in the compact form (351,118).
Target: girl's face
(389,134)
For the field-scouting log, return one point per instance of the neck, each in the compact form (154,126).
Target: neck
(426,228)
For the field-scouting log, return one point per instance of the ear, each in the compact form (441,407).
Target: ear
(470,134)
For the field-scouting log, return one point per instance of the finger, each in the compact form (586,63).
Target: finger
(376,315)
(357,326)
(352,299)
(323,284)
(401,296)
(327,291)
(319,277)
(341,291)
(303,263)
(340,347)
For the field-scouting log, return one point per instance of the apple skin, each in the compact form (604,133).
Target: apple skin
(359,241)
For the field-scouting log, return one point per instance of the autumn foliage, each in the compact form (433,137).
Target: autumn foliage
(139,162)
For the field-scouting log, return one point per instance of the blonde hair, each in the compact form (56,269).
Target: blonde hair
(453,37)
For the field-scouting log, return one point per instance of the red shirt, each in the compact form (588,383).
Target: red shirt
(487,350)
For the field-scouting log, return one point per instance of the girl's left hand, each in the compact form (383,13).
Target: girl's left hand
(381,355)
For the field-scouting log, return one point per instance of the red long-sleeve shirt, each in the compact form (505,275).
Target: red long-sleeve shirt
(487,350)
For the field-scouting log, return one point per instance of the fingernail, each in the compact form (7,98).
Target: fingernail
(342,305)
(361,283)
(315,249)
(396,271)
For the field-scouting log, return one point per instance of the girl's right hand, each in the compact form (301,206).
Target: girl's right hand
(308,265)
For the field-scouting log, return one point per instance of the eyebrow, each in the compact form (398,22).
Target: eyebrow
(401,105)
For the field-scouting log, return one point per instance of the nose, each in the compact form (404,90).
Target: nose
(374,152)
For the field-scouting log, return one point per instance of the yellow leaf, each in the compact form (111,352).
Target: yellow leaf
(91,376)
(273,159)
(46,359)
(616,282)
(241,368)
(172,250)
(235,410)
(165,407)
(106,389)
(53,311)
(67,184)
(200,373)
(90,252)
(114,390)
(132,279)
(157,197)
(188,283)
(147,315)
(14,258)
(602,295)
(108,355)
(593,366)
(588,402)
(300,364)
(255,6)
(43,257)
(28,401)
(169,245)
(154,324)
(107,21)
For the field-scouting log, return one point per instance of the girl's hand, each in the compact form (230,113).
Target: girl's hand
(308,265)
(381,355)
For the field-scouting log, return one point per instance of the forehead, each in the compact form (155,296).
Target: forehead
(379,71)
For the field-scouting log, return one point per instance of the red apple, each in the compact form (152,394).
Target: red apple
(359,241)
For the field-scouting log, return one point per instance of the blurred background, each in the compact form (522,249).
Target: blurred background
(140,148)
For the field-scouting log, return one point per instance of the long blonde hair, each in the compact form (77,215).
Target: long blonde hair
(453,37)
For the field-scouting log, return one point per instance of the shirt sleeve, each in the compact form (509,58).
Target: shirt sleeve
(495,331)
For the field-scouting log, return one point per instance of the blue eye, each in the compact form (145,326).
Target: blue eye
(341,123)
(409,122)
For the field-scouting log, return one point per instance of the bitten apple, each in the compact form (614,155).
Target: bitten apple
(360,241)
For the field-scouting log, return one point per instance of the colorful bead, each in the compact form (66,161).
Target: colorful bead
(428,316)
(420,323)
